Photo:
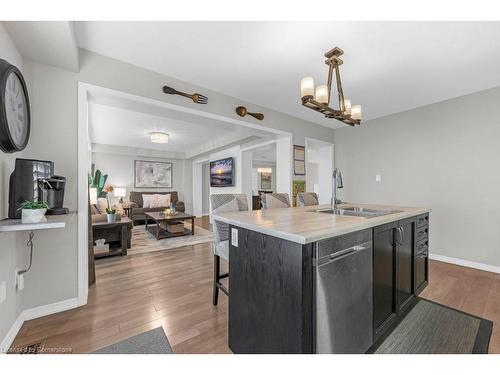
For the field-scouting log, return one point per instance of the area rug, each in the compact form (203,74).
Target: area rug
(150,342)
(144,242)
(431,328)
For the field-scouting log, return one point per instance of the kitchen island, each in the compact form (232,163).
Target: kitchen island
(303,281)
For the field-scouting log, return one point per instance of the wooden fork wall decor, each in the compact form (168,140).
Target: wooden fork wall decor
(242,111)
(197,98)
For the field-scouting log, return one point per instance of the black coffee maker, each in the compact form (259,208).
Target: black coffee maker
(51,191)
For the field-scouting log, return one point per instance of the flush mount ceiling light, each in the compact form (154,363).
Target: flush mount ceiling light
(159,137)
(319,98)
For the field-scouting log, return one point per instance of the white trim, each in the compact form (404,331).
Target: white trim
(465,263)
(11,335)
(258,145)
(51,308)
(83,160)
(33,313)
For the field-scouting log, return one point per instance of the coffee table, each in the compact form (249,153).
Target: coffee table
(159,217)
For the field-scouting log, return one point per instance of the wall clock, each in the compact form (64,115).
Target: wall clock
(14,109)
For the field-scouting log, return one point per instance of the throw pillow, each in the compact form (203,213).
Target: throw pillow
(119,208)
(147,199)
(163,200)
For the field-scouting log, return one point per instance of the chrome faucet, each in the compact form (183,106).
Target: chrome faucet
(336,183)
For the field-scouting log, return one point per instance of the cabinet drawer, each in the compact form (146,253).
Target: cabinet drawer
(422,233)
(333,245)
(422,247)
(420,272)
(422,220)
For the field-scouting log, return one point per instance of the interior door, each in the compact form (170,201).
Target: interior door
(384,278)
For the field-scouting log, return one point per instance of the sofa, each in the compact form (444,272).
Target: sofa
(137,211)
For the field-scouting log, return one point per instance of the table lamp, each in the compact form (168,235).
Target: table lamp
(120,193)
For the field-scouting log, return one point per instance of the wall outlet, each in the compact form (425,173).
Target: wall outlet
(19,280)
(3,291)
(234,237)
(378,177)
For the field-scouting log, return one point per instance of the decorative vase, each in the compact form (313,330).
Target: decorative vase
(111,218)
(32,216)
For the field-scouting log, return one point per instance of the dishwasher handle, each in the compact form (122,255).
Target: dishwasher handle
(337,255)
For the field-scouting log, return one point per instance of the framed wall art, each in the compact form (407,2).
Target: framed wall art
(299,160)
(152,174)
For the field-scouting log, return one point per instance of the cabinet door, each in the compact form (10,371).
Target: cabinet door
(404,261)
(384,279)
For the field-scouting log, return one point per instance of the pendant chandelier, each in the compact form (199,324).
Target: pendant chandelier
(319,98)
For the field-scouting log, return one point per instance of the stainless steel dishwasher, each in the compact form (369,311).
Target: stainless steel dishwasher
(343,288)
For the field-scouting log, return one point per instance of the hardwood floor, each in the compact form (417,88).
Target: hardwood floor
(172,289)
(473,291)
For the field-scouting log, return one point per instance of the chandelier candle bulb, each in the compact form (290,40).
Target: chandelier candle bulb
(322,94)
(356,112)
(306,87)
(348,106)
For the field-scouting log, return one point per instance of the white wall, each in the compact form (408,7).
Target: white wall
(325,168)
(246,175)
(9,257)
(312,177)
(443,156)
(284,166)
(120,170)
(205,187)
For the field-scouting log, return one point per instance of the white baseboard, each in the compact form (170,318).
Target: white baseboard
(465,263)
(33,313)
(11,335)
(52,308)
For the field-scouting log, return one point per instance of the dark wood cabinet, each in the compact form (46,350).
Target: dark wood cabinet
(384,277)
(404,262)
(393,272)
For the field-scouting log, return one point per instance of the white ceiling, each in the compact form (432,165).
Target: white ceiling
(122,122)
(389,66)
(50,42)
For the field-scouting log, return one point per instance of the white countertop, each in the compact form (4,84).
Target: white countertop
(300,225)
(50,222)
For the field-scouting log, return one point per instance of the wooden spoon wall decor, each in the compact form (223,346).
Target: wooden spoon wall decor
(242,111)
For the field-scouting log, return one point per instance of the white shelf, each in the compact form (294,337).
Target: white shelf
(51,222)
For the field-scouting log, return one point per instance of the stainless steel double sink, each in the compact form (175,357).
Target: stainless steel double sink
(357,211)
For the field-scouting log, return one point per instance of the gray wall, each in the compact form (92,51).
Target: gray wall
(444,156)
(120,170)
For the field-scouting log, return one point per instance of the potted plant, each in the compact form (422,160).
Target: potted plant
(110,212)
(33,211)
